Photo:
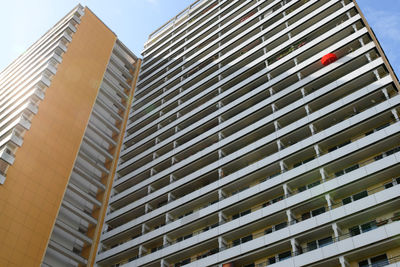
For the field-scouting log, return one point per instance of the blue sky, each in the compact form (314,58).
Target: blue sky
(24,21)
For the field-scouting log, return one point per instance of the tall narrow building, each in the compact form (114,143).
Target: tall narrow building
(262,133)
(63,110)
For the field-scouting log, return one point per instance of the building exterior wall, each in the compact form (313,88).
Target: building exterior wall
(36,182)
(243,149)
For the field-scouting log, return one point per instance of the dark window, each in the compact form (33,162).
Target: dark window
(314,184)
(297,164)
(360,195)
(188,236)
(186,261)
(382,127)
(363,263)
(325,241)
(235,216)
(352,168)
(398,180)
(318,211)
(302,188)
(245,212)
(277,199)
(370,132)
(250,265)
(236,242)
(266,204)
(280,226)
(305,216)
(388,185)
(339,173)
(354,231)
(346,200)
(271,260)
(285,255)
(368,226)
(380,260)
(247,238)
(312,245)
(345,143)
(308,160)
(268,231)
(332,149)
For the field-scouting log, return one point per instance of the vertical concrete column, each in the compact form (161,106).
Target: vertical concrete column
(295,246)
(172,178)
(336,230)
(308,109)
(287,190)
(166,240)
(168,218)
(283,166)
(329,200)
(222,244)
(385,92)
(312,128)
(323,174)
(220,173)
(221,194)
(343,262)
(171,197)
(290,216)
(222,217)
(318,150)
(148,208)
(145,228)
(164,263)
(303,92)
(395,114)
(142,250)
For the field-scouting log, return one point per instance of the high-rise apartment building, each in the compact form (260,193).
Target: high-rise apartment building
(63,109)
(262,133)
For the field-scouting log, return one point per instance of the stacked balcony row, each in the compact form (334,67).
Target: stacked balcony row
(24,82)
(79,212)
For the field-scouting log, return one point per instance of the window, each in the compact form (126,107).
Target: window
(247,238)
(380,260)
(388,185)
(354,231)
(236,242)
(271,260)
(280,226)
(346,200)
(360,195)
(363,263)
(305,216)
(318,211)
(268,231)
(376,261)
(285,255)
(368,226)
(325,241)
(312,245)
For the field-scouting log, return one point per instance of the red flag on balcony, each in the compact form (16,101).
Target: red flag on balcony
(328,59)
